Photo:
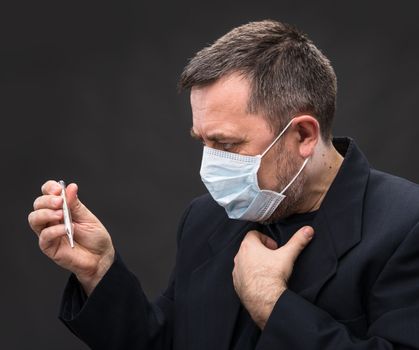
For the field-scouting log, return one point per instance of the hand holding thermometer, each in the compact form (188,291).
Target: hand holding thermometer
(67,215)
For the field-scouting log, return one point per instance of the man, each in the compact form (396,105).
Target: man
(301,245)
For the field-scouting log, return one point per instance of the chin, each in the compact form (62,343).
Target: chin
(289,206)
(282,212)
(294,195)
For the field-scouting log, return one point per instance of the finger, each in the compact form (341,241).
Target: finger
(48,236)
(71,193)
(41,218)
(258,237)
(48,201)
(251,234)
(51,187)
(298,242)
(268,241)
(78,210)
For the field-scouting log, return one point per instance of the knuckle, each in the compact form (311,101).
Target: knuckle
(244,244)
(301,244)
(46,236)
(35,203)
(42,240)
(49,187)
(30,218)
(43,245)
(53,201)
(47,233)
(292,251)
(252,233)
(296,245)
(44,187)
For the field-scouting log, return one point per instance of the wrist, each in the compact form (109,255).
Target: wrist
(90,280)
(268,306)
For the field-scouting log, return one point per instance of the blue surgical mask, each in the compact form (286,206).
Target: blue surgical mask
(232,181)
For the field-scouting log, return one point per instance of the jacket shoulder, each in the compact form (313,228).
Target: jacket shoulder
(392,199)
(395,188)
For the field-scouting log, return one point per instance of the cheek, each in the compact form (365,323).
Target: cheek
(267,174)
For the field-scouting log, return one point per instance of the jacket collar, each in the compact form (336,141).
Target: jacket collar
(344,202)
(337,225)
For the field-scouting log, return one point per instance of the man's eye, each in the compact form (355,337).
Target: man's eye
(228,146)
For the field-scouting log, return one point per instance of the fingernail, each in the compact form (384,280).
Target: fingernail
(308,232)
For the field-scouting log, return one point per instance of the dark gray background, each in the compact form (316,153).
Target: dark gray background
(88,94)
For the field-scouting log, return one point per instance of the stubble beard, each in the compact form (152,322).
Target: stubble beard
(287,169)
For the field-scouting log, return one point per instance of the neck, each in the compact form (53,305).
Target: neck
(325,165)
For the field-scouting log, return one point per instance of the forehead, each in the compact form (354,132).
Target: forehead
(229,92)
(224,104)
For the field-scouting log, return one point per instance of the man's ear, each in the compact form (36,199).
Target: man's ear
(308,131)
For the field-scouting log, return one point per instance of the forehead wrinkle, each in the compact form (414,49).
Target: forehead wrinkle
(230,93)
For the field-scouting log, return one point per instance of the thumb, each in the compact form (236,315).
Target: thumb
(298,242)
(78,210)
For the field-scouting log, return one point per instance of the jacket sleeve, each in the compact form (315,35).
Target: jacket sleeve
(118,315)
(392,312)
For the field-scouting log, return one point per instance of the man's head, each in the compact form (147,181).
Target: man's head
(248,85)
(288,75)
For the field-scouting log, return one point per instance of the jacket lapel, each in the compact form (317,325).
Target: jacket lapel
(213,303)
(316,264)
(338,224)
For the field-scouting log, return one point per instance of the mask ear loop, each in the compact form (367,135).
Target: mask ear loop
(277,138)
(295,177)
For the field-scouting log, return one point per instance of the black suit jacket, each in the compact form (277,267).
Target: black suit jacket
(356,286)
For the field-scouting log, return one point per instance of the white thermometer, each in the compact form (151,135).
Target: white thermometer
(67,215)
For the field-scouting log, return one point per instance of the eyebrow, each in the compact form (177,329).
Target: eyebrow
(194,135)
(216,137)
